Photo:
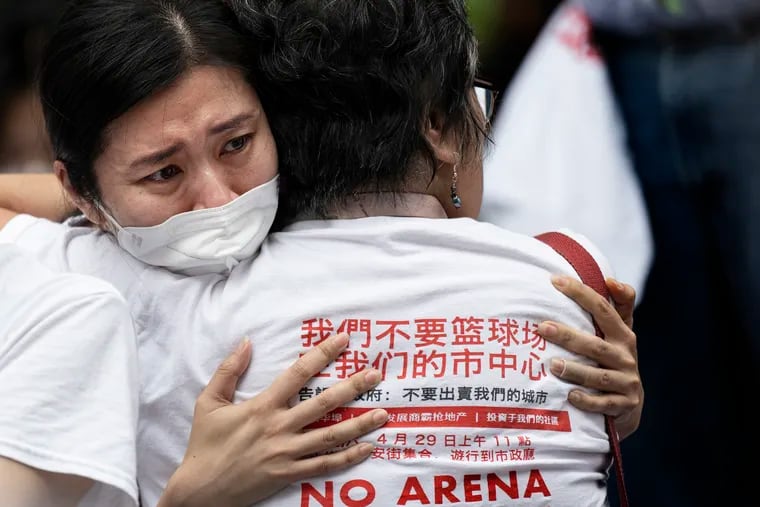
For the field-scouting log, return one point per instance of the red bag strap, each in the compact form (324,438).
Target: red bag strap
(590,273)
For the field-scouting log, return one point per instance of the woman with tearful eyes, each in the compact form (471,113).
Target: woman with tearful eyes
(163,145)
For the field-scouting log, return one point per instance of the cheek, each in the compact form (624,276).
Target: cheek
(132,207)
(268,153)
(259,168)
(268,160)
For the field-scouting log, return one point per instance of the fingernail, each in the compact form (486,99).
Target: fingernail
(547,329)
(574,396)
(559,280)
(372,377)
(557,367)
(380,417)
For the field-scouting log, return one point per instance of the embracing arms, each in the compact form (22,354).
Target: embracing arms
(241,453)
(264,446)
(616,376)
(40,195)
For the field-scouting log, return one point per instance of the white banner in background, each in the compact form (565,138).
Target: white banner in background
(560,158)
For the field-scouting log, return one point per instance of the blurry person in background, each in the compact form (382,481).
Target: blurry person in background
(506,30)
(687,76)
(24,26)
(559,157)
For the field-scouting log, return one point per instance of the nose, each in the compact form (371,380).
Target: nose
(212,190)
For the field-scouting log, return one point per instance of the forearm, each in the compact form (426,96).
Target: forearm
(22,486)
(40,195)
(5,216)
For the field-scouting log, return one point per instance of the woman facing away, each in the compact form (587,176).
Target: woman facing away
(139,150)
(380,147)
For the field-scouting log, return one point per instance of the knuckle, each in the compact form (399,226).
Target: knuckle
(358,382)
(282,474)
(330,437)
(629,336)
(326,400)
(601,349)
(629,363)
(270,425)
(587,377)
(227,368)
(327,463)
(605,379)
(200,407)
(603,307)
(262,405)
(301,370)
(352,455)
(268,431)
(634,386)
(575,288)
(328,351)
(564,335)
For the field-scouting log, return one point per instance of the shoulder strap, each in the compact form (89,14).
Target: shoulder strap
(590,273)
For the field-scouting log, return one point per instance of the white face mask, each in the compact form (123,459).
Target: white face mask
(205,241)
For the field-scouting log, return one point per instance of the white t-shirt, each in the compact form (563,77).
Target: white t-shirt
(68,377)
(446,309)
(560,157)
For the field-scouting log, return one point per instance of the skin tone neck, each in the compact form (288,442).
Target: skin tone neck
(447,151)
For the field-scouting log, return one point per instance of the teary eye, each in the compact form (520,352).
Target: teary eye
(237,144)
(164,174)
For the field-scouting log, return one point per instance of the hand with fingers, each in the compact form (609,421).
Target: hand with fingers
(616,378)
(241,453)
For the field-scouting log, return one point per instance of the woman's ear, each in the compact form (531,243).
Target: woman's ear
(86,207)
(444,150)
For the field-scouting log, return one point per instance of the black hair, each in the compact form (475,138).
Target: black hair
(105,56)
(348,87)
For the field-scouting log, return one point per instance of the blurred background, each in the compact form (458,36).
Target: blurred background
(506,29)
(24,26)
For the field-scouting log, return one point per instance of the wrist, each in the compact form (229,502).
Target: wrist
(177,493)
(189,488)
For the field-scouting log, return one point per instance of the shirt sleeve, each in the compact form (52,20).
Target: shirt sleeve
(76,246)
(68,382)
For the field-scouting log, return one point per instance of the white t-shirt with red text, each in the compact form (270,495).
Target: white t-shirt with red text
(446,309)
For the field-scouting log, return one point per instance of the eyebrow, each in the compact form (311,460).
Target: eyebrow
(159,156)
(231,124)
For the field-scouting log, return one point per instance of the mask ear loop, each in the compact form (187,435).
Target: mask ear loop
(117,229)
(111,220)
